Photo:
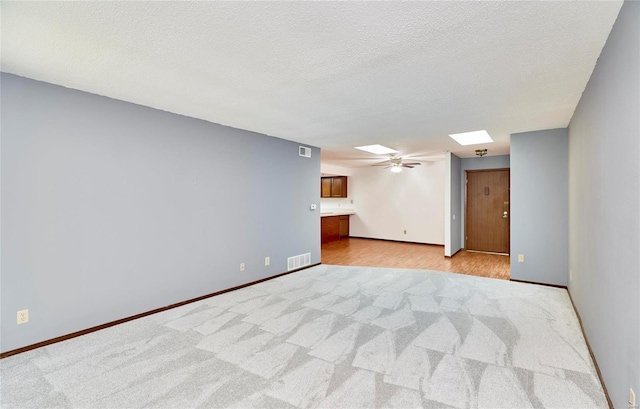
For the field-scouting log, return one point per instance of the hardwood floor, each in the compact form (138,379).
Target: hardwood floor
(381,253)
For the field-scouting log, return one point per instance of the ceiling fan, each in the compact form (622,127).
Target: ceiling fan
(395,160)
(395,164)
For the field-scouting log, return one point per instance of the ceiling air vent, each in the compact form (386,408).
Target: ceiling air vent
(304,151)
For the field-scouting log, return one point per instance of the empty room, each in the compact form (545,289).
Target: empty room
(320,204)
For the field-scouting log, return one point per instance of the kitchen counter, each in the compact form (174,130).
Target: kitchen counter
(345,212)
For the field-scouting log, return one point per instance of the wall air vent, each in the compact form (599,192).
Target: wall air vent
(304,151)
(298,261)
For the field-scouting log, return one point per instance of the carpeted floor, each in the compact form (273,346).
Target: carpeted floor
(327,337)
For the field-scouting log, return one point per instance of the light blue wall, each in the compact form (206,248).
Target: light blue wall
(604,208)
(539,206)
(487,162)
(111,209)
(456,206)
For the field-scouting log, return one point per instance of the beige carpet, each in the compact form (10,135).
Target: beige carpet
(328,337)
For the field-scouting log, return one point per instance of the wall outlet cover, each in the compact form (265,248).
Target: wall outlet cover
(23,316)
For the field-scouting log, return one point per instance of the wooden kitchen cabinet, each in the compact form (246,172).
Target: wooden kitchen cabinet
(344,226)
(339,186)
(333,186)
(333,228)
(325,187)
(330,228)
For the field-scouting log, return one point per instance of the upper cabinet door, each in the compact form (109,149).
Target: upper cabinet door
(343,182)
(337,187)
(325,187)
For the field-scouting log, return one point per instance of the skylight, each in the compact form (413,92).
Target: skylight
(472,138)
(377,149)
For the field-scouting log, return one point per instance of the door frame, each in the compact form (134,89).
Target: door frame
(466,213)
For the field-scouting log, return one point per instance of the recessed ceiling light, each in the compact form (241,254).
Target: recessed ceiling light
(472,138)
(377,149)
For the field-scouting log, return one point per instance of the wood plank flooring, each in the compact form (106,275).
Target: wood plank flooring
(381,253)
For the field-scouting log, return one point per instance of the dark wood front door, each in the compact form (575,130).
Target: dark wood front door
(487,211)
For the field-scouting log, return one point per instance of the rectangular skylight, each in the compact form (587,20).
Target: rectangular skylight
(472,138)
(377,149)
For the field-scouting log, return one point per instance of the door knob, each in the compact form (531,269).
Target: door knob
(505,214)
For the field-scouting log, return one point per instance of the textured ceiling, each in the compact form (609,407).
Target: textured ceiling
(330,74)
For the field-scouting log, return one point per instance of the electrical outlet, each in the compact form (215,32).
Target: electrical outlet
(241,266)
(23,316)
(632,399)
(520,258)
(267,261)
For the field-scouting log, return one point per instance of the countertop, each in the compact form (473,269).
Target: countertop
(338,212)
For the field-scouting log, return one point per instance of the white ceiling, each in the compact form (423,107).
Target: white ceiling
(329,74)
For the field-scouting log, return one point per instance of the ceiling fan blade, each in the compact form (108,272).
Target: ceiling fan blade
(412,163)
(357,158)
(407,166)
(426,159)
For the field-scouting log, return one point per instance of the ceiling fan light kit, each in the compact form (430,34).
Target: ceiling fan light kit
(396,169)
(481,152)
